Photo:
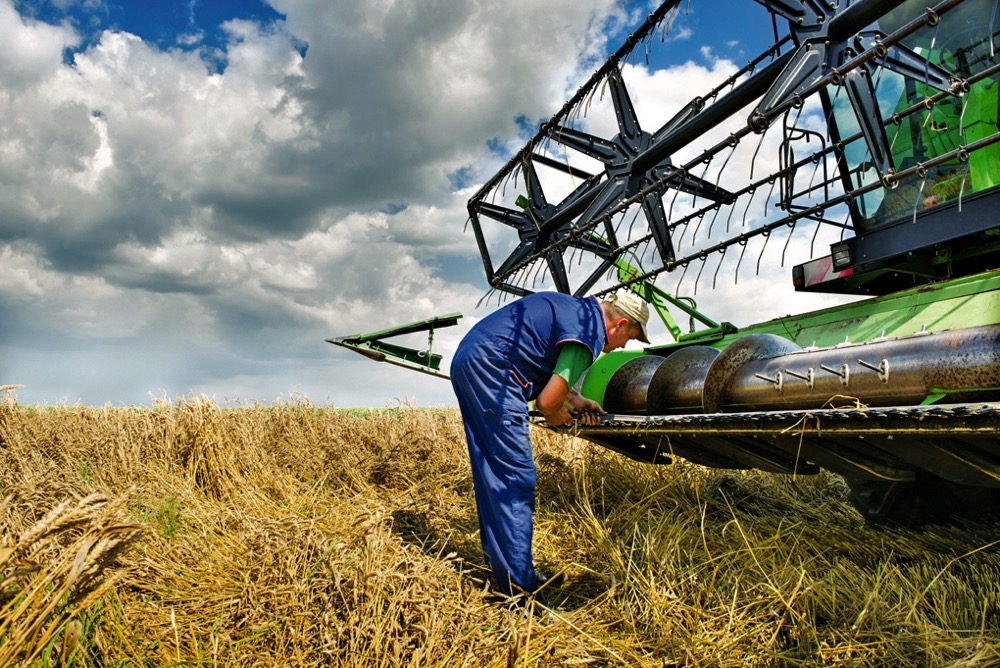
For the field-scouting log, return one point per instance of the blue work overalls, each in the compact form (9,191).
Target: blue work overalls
(502,363)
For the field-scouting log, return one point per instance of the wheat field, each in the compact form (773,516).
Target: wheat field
(195,534)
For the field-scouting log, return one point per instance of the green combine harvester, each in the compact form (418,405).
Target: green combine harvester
(865,139)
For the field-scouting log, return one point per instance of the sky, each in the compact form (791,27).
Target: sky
(195,195)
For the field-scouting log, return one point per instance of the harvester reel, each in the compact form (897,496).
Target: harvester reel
(583,220)
(910,130)
(899,392)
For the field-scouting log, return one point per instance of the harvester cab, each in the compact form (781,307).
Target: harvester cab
(863,146)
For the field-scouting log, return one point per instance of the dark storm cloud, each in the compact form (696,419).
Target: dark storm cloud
(266,212)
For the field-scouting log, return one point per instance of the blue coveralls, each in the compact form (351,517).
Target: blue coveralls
(502,363)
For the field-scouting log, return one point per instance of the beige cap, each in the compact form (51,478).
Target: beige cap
(634,307)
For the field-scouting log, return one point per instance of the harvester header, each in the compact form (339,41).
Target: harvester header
(862,148)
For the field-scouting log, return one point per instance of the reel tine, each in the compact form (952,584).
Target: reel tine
(722,257)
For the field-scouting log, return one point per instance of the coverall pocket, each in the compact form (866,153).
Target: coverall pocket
(510,432)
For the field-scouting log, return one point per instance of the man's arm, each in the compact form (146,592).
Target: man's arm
(557,402)
(552,401)
(581,404)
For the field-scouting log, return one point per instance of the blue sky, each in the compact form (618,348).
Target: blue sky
(195,195)
(729,27)
(168,24)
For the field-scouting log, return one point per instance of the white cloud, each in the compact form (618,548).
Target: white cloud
(169,226)
(32,50)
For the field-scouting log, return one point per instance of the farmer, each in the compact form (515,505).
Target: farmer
(535,348)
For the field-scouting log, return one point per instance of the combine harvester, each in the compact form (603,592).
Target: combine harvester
(863,144)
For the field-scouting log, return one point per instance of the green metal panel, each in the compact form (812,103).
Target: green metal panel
(595,382)
(964,302)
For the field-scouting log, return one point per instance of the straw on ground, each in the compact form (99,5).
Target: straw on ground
(189,533)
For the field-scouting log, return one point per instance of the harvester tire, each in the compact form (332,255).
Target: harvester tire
(928,499)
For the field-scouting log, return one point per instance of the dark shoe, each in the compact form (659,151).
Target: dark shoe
(549,582)
(548,590)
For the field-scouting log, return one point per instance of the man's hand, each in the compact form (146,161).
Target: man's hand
(561,405)
(580,404)
(586,410)
(559,417)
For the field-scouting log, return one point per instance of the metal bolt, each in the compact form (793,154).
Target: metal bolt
(776,381)
(882,369)
(844,373)
(809,377)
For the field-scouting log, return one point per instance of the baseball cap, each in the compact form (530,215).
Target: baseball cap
(634,307)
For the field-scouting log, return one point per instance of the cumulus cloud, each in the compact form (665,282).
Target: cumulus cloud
(199,218)
(172,226)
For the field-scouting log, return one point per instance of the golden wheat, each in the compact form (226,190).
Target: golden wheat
(297,535)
